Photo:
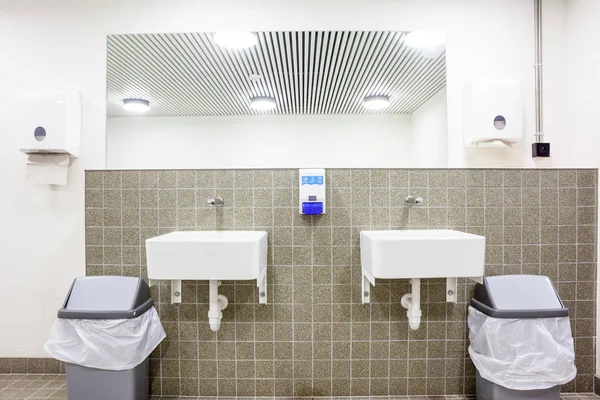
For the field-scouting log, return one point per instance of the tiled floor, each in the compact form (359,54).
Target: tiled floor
(19,386)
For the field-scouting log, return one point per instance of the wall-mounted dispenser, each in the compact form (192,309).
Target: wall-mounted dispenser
(312,191)
(493,113)
(50,133)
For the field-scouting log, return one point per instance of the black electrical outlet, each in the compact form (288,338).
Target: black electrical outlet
(540,149)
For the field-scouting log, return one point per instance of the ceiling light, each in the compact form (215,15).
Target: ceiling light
(263,103)
(137,105)
(235,39)
(425,39)
(376,102)
(432,52)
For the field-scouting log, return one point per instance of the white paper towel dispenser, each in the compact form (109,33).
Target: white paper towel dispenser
(51,123)
(50,133)
(493,113)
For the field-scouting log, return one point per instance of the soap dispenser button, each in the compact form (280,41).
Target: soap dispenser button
(312,208)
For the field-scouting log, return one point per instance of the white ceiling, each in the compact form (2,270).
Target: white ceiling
(187,74)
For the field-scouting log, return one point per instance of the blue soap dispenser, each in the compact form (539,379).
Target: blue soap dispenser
(312,191)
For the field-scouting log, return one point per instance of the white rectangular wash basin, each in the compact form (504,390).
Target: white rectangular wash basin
(208,255)
(417,254)
(422,254)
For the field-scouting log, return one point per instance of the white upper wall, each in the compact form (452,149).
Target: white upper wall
(583,80)
(493,56)
(62,44)
(276,141)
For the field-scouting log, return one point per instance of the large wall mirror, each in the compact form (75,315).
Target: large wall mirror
(344,99)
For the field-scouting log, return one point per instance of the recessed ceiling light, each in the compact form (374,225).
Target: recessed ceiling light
(425,39)
(263,103)
(235,39)
(137,105)
(376,102)
(255,77)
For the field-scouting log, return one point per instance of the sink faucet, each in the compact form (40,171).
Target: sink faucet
(413,201)
(215,202)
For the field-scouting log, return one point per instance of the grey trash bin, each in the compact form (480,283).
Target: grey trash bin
(107,297)
(517,297)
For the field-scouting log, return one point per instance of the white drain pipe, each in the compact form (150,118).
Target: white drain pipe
(412,302)
(217,303)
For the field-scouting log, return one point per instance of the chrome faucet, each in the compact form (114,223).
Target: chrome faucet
(413,201)
(215,202)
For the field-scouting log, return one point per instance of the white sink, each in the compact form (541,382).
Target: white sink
(211,256)
(207,255)
(422,254)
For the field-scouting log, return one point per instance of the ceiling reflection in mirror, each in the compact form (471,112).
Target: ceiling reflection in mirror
(335,73)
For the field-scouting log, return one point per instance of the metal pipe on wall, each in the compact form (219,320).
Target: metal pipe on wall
(539,105)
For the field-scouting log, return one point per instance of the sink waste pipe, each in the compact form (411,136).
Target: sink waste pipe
(412,302)
(217,303)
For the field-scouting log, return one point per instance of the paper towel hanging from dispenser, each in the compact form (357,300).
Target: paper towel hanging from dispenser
(493,113)
(50,134)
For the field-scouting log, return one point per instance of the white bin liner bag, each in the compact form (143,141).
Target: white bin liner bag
(522,354)
(110,344)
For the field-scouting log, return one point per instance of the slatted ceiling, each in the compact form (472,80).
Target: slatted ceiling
(314,72)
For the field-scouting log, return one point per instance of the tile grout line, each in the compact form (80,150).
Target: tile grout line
(424,322)
(370,297)
(464,290)
(140,241)
(198,386)
(103,229)
(160,285)
(540,230)
(255,290)
(331,283)
(312,294)
(504,205)
(351,276)
(177,223)
(235,186)
(196,224)
(540,223)
(390,298)
(464,358)
(274,371)
(575,300)
(456,294)
(409,223)
(291,181)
